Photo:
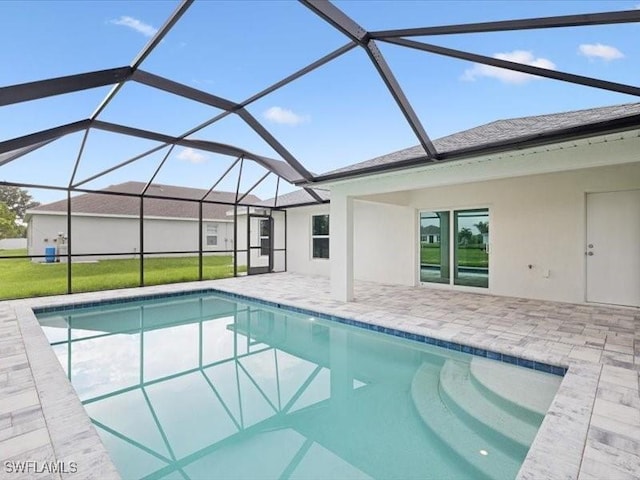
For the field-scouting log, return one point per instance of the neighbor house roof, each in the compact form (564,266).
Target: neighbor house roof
(97,204)
(503,135)
(430,230)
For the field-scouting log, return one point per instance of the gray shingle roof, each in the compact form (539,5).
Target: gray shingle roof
(502,131)
(430,230)
(298,197)
(97,204)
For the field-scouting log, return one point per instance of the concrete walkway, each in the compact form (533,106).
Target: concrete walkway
(592,430)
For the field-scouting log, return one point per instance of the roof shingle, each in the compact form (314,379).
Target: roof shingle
(298,197)
(502,131)
(97,204)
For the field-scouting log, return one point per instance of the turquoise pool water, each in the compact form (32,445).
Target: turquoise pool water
(207,387)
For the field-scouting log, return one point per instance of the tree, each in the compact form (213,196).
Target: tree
(8,226)
(465,236)
(483,227)
(17,201)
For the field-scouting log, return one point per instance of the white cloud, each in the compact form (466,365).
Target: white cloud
(135,24)
(191,156)
(637,7)
(509,76)
(597,50)
(285,117)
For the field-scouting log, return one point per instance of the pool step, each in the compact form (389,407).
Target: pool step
(495,422)
(489,461)
(531,394)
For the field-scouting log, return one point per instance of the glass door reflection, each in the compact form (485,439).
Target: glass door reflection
(434,247)
(471,252)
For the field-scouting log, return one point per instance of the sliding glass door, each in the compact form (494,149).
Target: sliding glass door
(471,253)
(434,247)
(458,259)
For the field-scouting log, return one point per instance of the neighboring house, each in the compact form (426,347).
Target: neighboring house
(109,224)
(430,234)
(560,193)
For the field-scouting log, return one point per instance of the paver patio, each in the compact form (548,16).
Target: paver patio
(592,430)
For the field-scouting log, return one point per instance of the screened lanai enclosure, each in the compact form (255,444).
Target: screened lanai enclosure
(119,209)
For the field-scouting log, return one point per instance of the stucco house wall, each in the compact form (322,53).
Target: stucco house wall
(110,234)
(537,220)
(383,234)
(299,258)
(107,221)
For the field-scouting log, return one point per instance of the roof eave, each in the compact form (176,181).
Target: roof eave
(556,136)
(305,204)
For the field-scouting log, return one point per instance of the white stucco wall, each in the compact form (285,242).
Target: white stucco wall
(279,241)
(383,238)
(299,257)
(537,220)
(384,243)
(91,234)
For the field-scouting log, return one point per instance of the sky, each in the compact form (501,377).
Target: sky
(335,116)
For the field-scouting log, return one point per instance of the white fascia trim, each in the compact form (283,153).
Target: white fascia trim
(611,149)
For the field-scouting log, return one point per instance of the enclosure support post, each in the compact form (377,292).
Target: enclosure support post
(235,240)
(248,241)
(68,241)
(141,241)
(235,221)
(200,241)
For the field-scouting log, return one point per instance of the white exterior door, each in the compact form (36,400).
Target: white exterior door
(613,248)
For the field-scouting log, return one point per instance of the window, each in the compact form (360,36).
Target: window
(212,235)
(320,236)
(265,236)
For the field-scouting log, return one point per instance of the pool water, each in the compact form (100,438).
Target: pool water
(207,387)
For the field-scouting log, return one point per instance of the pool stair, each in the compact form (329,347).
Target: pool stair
(528,396)
(505,424)
(486,412)
(469,446)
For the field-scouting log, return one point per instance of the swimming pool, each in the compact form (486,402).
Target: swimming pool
(208,386)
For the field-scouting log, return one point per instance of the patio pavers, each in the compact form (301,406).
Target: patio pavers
(592,429)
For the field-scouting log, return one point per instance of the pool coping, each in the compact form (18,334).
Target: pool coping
(562,435)
(427,340)
(72,436)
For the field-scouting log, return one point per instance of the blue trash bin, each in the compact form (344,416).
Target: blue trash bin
(50,254)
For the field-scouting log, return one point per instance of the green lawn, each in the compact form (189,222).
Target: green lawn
(21,278)
(467,257)
(13,253)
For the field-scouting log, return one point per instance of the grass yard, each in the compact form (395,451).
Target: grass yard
(467,257)
(20,278)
